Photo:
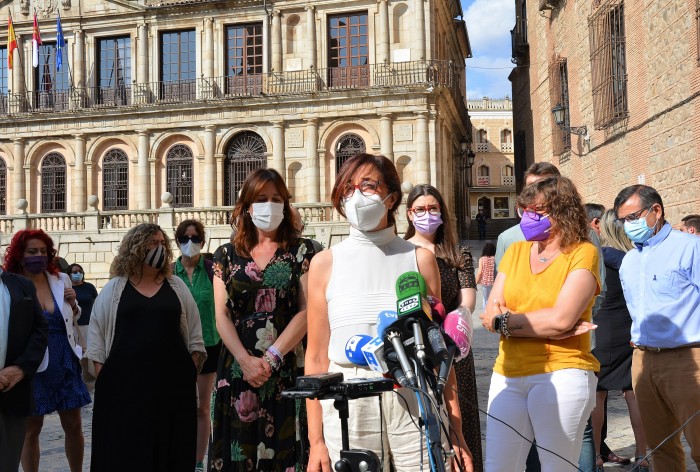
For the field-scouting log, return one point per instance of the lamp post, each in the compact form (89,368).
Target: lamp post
(559,113)
(465,158)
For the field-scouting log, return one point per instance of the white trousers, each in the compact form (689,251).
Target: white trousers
(391,432)
(552,408)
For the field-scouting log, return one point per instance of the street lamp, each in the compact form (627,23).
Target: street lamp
(559,113)
(466,159)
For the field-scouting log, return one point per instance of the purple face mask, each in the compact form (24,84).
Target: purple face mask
(35,264)
(535,227)
(427,224)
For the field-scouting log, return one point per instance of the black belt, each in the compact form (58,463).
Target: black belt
(659,349)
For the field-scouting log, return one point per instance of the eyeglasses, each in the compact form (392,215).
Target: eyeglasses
(420,211)
(185,239)
(368,187)
(532,213)
(632,216)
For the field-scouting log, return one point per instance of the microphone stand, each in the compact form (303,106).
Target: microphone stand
(432,426)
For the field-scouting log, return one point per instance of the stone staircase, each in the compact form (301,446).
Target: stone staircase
(493,228)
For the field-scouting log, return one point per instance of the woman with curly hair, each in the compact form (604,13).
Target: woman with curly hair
(60,387)
(260,299)
(146,343)
(543,384)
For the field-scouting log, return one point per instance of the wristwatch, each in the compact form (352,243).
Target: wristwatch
(497,320)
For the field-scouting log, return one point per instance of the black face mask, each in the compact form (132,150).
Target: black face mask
(35,264)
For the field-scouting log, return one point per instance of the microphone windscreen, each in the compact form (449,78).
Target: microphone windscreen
(437,308)
(384,319)
(460,331)
(353,349)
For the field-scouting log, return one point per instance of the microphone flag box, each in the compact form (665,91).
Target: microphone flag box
(374,355)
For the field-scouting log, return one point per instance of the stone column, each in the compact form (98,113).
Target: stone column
(143,193)
(18,88)
(78,59)
(266,45)
(18,184)
(278,148)
(276,41)
(419,38)
(219,197)
(383,37)
(422,173)
(313,185)
(210,183)
(79,188)
(142,55)
(386,136)
(208,48)
(311,37)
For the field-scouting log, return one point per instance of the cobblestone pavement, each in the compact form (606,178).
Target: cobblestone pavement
(620,437)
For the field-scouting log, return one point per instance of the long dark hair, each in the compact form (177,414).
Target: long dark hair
(445,236)
(246,234)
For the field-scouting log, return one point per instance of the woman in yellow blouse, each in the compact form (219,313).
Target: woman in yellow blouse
(543,383)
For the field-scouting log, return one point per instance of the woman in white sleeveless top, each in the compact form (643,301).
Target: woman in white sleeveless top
(349,285)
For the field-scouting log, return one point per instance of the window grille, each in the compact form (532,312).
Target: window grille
(52,86)
(244,59)
(608,63)
(559,94)
(114,62)
(179,175)
(348,49)
(53,184)
(3,187)
(246,153)
(348,145)
(178,62)
(115,183)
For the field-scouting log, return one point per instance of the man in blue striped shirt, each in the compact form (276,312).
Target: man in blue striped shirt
(661,282)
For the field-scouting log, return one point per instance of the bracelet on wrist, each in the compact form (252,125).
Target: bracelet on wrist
(271,359)
(275,352)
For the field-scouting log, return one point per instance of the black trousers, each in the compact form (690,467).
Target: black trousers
(12,430)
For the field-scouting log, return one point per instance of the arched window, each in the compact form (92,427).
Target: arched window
(482,136)
(3,187)
(115,180)
(483,171)
(292,33)
(179,175)
(53,183)
(245,153)
(508,170)
(506,136)
(348,145)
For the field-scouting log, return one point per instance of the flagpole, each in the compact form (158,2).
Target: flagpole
(21,65)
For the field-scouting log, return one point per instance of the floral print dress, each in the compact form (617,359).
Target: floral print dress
(254,428)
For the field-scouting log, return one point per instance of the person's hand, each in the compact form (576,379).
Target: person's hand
(69,296)
(256,370)
(462,455)
(9,376)
(319,461)
(493,309)
(581,327)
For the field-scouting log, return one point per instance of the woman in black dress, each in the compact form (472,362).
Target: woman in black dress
(146,342)
(613,349)
(260,298)
(429,226)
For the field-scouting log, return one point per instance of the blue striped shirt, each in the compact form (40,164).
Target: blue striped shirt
(661,283)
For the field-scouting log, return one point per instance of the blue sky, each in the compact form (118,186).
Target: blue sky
(489,23)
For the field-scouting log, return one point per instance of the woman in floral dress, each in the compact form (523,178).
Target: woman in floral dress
(260,297)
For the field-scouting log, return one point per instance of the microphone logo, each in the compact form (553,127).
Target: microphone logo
(408,304)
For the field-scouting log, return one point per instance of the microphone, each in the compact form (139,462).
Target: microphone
(374,355)
(437,309)
(458,327)
(384,320)
(353,349)
(411,297)
(445,366)
(394,337)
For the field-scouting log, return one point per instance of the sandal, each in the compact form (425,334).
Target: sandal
(615,459)
(599,462)
(639,467)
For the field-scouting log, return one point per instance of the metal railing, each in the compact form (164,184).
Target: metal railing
(419,75)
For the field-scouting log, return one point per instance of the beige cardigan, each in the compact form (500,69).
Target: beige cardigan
(104,319)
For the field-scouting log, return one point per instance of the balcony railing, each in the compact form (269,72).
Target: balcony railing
(506,147)
(508,180)
(482,147)
(483,181)
(416,75)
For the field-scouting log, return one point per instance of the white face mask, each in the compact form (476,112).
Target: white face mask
(364,213)
(267,216)
(190,249)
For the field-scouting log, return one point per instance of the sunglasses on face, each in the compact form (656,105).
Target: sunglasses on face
(185,239)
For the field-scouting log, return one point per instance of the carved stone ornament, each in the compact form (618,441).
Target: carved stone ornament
(65,4)
(46,8)
(24,7)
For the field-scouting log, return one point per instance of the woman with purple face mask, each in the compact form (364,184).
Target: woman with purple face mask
(60,387)
(430,227)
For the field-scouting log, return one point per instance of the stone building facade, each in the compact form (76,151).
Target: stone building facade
(493,173)
(627,70)
(169,104)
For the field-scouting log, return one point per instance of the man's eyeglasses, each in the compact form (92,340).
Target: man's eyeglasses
(420,211)
(533,214)
(368,187)
(633,216)
(185,239)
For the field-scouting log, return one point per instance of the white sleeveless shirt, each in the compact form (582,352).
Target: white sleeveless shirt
(362,284)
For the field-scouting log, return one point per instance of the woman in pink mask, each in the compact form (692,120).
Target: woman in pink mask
(430,227)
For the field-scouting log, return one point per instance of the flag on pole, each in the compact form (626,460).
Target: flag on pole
(60,43)
(36,41)
(11,42)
